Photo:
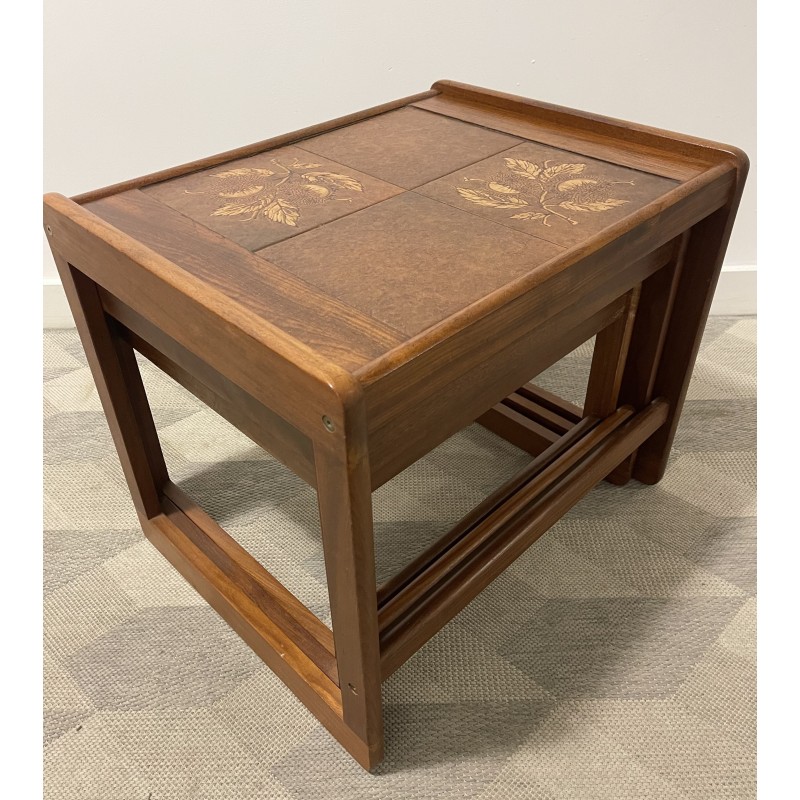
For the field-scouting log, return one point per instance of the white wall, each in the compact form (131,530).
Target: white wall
(138,86)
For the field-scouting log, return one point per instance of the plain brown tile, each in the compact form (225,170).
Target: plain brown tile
(410,261)
(409,147)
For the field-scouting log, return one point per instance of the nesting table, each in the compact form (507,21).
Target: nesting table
(352,294)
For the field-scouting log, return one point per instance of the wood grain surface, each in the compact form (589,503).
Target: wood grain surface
(337,331)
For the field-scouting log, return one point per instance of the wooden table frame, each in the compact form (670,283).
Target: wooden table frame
(643,286)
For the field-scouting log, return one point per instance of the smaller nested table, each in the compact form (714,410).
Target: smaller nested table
(352,294)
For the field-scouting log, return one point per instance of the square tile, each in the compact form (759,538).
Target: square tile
(272,196)
(410,261)
(409,146)
(553,194)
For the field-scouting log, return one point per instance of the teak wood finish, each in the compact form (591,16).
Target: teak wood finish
(352,294)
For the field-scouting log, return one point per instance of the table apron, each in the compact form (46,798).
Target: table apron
(257,421)
(439,412)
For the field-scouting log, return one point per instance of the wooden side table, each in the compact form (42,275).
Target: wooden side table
(352,294)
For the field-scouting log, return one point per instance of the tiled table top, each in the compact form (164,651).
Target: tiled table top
(406,217)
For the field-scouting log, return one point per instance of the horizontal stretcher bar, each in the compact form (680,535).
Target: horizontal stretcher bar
(531,418)
(428,593)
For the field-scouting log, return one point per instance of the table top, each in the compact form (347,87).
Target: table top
(360,236)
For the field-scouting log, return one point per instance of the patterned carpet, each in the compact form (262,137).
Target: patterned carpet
(615,659)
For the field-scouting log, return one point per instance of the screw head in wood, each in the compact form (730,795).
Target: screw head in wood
(328,423)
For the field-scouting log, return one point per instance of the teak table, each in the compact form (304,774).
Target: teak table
(352,294)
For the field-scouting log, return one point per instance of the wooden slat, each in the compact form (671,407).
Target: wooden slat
(418,565)
(244,607)
(340,333)
(119,385)
(498,509)
(263,426)
(251,149)
(242,576)
(497,540)
(531,418)
(568,412)
(544,416)
(517,428)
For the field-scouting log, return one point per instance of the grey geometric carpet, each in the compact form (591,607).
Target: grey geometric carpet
(615,659)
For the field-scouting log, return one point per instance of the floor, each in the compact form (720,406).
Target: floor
(614,659)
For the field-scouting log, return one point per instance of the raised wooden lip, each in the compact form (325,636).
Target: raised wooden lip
(681,144)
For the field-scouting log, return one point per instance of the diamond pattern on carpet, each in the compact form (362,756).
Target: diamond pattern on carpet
(614,659)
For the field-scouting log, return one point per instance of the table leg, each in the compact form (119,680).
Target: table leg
(119,384)
(656,302)
(345,508)
(608,361)
(694,290)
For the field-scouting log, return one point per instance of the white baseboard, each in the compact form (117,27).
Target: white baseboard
(56,309)
(736,292)
(735,296)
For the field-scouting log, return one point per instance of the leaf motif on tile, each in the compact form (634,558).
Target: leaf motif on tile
(547,188)
(235,209)
(529,215)
(335,179)
(562,169)
(246,192)
(524,168)
(569,186)
(277,194)
(502,188)
(595,205)
(487,199)
(281,211)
